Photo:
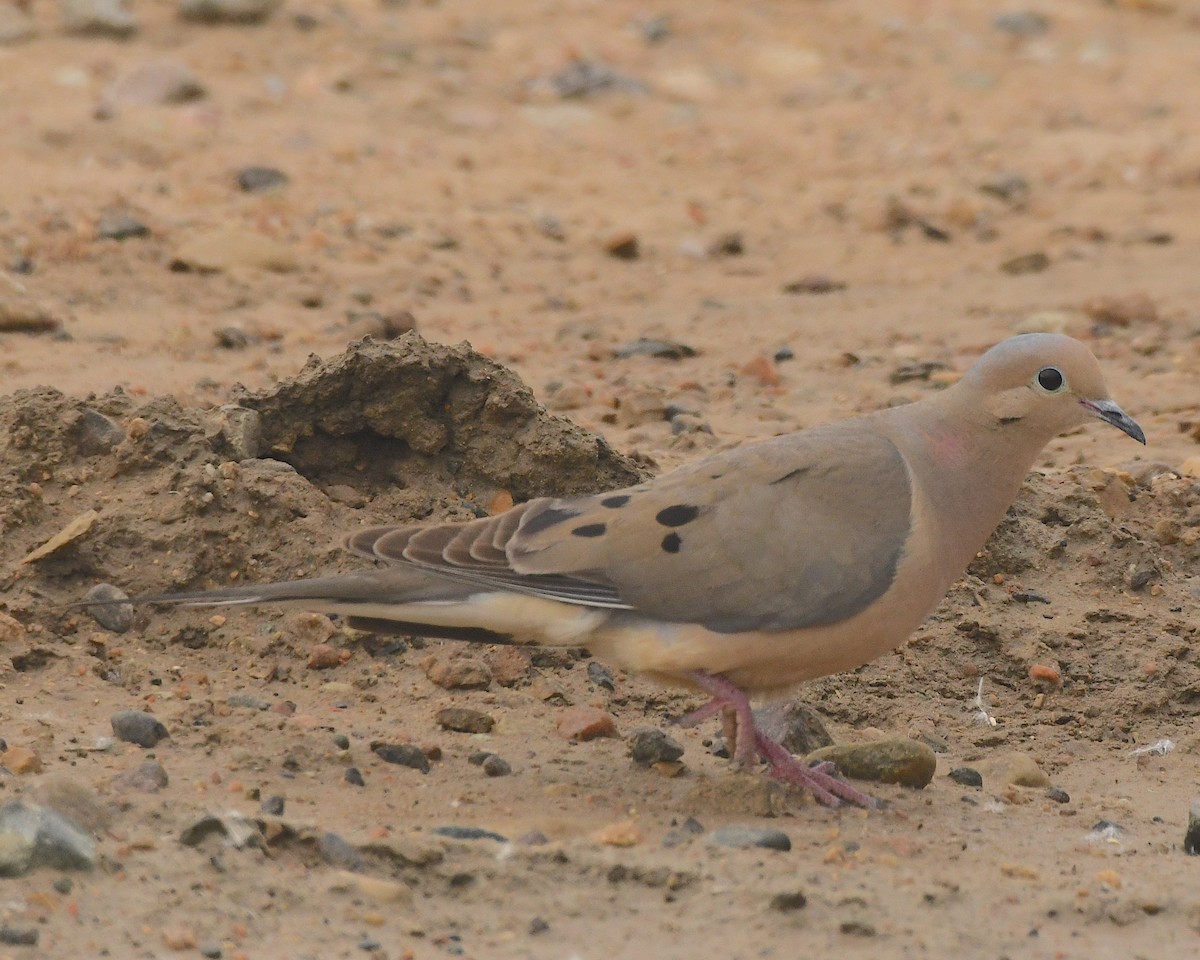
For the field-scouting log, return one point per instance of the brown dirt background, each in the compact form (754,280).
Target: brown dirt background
(434,169)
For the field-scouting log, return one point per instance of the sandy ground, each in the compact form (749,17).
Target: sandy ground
(821,195)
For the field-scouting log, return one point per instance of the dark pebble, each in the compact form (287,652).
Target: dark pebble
(136,726)
(63,885)
(354,777)
(742,838)
(857,928)
(476,759)
(464,720)
(783,354)
(967,776)
(787,902)
(659,349)
(19,936)
(1021,23)
(110,607)
(403,754)
(648,746)
(211,950)
(369,945)
(261,179)
(232,338)
(794,725)
(273,806)
(495,766)
(599,674)
(469,833)
(623,247)
(338,853)
(248,701)
(814,283)
(121,226)
(1026,263)
(727,245)
(538,925)
(97,433)
(1058,795)
(341,741)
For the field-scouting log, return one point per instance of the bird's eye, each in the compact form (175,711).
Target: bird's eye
(1051,379)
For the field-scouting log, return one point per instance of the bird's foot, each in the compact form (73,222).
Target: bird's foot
(750,743)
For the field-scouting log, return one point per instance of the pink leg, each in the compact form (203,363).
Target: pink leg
(750,742)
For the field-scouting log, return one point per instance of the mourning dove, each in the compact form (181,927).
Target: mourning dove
(748,571)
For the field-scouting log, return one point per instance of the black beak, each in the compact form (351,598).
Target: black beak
(1109,412)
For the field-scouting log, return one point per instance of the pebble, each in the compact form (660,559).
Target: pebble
(137,726)
(233,247)
(179,938)
(338,853)
(600,675)
(226,11)
(909,763)
(744,838)
(464,720)
(625,833)
(1191,839)
(97,434)
(455,832)
(648,746)
(273,806)
(1012,188)
(354,777)
(108,18)
(623,246)
(402,754)
(211,951)
(659,349)
(457,672)
(1058,795)
(19,936)
(1012,768)
(789,901)
(149,777)
(814,283)
(509,665)
(794,725)
(967,776)
(1021,23)
(155,83)
(120,226)
(248,701)
(323,656)
(1026,263)
(495,766)
(727,245)
(109,606)
(341,741)
(12,630)
(261,179)
(21,760)
(585,78)
(585,723)
(20,314)
(33,836)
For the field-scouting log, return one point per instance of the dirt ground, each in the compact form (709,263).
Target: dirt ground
(812,209)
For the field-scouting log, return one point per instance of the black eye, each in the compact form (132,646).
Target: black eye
(1050,379)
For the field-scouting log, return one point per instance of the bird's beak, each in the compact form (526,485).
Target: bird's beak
(1109,412)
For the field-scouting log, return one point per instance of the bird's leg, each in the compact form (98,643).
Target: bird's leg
(748,741)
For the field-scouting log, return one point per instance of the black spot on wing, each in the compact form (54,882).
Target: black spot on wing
(671,543)
(590,530)
(677,515)
(548,518)
(792,475)
(616,501)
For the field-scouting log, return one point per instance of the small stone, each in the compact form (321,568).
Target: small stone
(354,777)
(648,746)
(458,672)
(744,838)
(538,925)
(21,314)
(97,434)
(793,725)
(155,83)
(1058,795)
(402,754)
(341,741)
(464,720)
(600,675)
(623,246)
(338,853)
(1121,311)
(273,806)
(226,11)
(585,723)
(232,338)
(322,656)
(761,368)
(248,701)
(33,836)
(495,766)
(211,951)
(967,776)
(137,726)
(149,777)
(261,179)
(1026,263)
(97,18)
(1012,769)
(1012,188)
(469,833)
(583,78)
(814,283)
(909,763)
(179,938)
(626,833)
(727,245)
(19,936)
(1021,23)
(109,607)
(509,665)
(659,349)
(120,226)
(789,901)
(21,760)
